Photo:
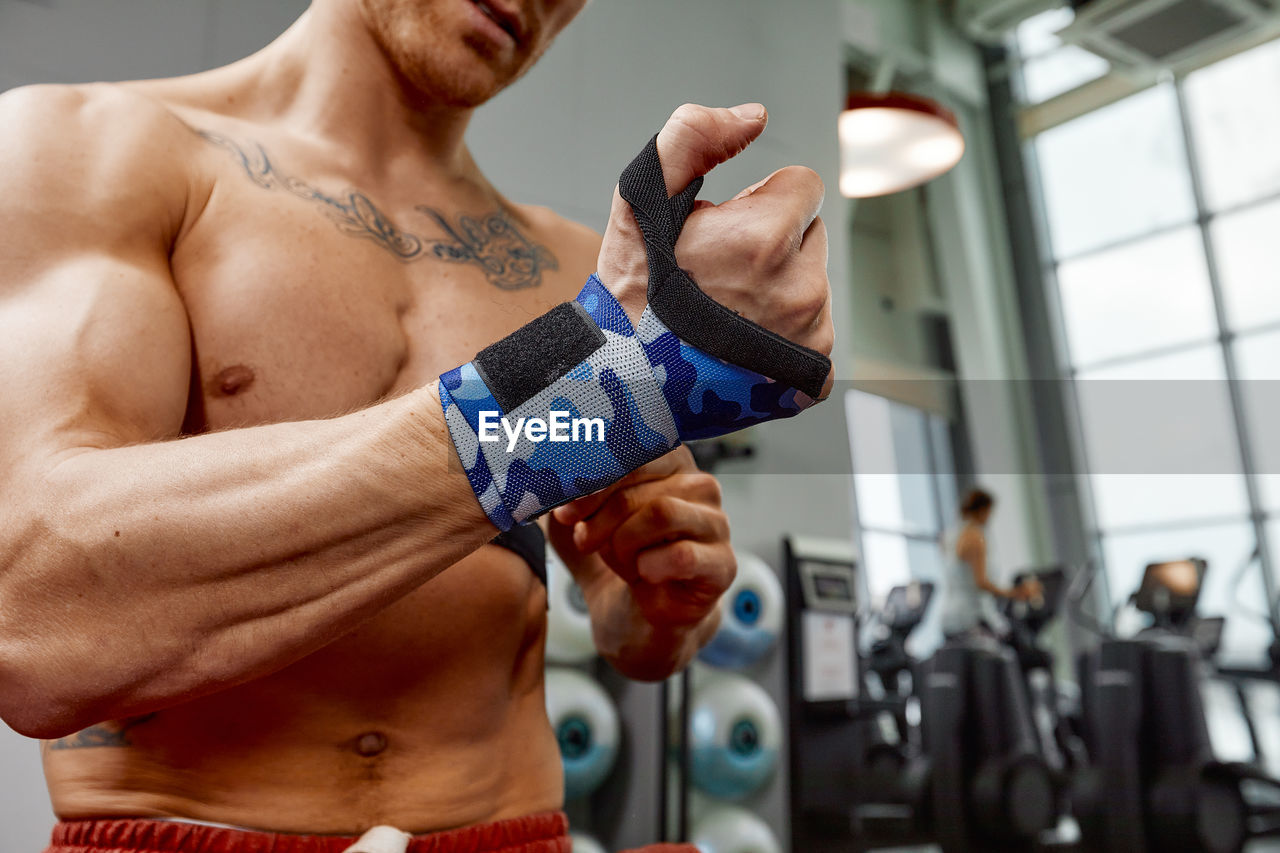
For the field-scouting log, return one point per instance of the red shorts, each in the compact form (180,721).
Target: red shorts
(544,833)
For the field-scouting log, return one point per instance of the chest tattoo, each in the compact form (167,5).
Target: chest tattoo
(493,242)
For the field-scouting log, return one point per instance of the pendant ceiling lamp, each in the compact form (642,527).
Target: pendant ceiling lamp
(895,141)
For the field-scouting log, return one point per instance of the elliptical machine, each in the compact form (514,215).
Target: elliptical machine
(1056,715)
(891,804)
(1153,783)
(992,790)
(887,658)
(980,784)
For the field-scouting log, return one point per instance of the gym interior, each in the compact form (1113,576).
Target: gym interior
(1051,245)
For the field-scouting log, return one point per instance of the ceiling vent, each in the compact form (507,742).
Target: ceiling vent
(991,21)
(1175,35)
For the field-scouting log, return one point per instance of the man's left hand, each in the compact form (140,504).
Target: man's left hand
(662,531)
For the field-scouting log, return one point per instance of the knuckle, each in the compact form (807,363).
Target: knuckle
(720,530)
(804,310)
(682,557)
(818,229)
(663,511)
(805,181)
(688,112)
(708,488)
(814,302)
(730,569)
(626,503)
(700,126)
(808,177)
(771,246)
(693,135)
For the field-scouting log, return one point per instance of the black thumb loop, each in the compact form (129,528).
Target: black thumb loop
(683,307)
(644,186)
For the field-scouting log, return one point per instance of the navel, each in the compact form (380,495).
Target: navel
(370,744)
(231,381)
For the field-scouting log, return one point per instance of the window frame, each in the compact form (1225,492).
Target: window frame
(1224,340)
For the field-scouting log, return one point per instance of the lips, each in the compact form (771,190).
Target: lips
(503,17)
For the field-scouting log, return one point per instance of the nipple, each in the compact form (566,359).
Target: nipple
(231,381)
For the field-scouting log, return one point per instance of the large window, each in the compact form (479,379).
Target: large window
(1162,221)
(905,495)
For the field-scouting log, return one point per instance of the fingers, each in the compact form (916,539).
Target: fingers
(381,839)
(672,527)
(749,190)
(782,209)
(599,528)
(697,571)
(814,242)
(664,466)
(696,139)
(812,273)
(661,521)
(796,192)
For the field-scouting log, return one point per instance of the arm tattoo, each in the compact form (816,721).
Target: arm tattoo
(103,734)
(492,242)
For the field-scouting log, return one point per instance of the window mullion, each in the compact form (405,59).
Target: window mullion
(1079,453)
(1257,514)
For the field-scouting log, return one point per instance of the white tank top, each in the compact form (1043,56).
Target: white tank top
(964,606)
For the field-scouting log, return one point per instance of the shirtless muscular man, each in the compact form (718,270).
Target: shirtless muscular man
(244,578)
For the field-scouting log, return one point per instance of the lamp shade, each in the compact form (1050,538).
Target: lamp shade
(895,141)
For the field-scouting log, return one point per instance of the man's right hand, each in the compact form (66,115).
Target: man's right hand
(762,254)
(730,326)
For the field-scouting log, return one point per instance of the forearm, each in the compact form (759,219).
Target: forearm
(996,590)
(636,647)
(137,576)
(977,560)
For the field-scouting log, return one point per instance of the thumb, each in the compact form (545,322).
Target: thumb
(696,139)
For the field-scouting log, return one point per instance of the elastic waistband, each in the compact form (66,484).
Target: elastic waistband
(542,833)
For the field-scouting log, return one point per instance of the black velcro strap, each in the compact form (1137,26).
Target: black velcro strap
(528,542)
(538,353)
(685,309)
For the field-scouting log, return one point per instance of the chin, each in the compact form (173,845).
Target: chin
(459,72)
(432,50)
(457,85)
(437,49)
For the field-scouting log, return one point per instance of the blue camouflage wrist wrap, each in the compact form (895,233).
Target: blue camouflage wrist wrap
(620,395)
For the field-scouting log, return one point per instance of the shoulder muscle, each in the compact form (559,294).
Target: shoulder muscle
(80,165)
(94,341)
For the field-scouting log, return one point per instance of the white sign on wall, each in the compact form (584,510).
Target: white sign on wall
(829,665)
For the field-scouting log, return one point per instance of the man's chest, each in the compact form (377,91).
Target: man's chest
(306,301)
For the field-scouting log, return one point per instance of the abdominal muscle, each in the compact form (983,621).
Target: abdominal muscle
(429,717)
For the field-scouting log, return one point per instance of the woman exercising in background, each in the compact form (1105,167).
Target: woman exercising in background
(967,603)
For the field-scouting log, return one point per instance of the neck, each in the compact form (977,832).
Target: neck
(327,78)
